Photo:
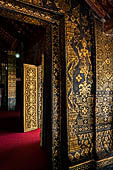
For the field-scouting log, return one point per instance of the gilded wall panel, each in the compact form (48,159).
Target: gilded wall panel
(104,92)
(11,80)
(79,80)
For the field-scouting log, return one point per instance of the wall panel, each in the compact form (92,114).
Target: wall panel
(104,93)
(11,80)
(79,80)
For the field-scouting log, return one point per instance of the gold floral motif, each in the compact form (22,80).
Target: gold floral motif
(105,109)
(85,88)
(84,111)
(79,78)
(107,61)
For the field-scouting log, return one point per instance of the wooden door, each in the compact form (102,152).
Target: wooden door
(30,97)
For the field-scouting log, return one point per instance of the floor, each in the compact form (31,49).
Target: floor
(19,151)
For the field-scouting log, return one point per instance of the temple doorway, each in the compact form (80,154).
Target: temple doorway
(22,46)
(21,94)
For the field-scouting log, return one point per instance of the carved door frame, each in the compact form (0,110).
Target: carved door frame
(53,22)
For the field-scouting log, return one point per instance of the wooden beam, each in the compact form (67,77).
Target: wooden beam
(97,8)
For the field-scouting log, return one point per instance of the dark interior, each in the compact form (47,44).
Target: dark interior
(20,43)
(25,41)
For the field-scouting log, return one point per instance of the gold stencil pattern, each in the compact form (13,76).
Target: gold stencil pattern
(30,97)
(79,84)
(56,110)
(104,88)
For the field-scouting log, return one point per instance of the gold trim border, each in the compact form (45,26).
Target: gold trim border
(104,162)
(99,164)
(84,165)
(44,16)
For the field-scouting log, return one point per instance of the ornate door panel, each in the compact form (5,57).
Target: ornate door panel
(30,97)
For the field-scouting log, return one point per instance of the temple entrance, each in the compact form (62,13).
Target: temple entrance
(21,73)
(21,94)
(54,100)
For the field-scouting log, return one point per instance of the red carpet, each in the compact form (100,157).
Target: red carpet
(20,151)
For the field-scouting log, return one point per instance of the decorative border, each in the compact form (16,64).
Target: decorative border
(31,12)
(40,94)
(22,18)
(56,108)
(40,98)
(83,166)
(104,162)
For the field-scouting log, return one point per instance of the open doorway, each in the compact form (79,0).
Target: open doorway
(54,71)
(20,44)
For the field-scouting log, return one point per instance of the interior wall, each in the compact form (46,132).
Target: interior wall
(11,80)
(104,94)
(80,93)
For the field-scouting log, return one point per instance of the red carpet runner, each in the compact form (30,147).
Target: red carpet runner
(21,151)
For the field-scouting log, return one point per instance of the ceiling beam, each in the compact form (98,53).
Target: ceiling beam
(97,8)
